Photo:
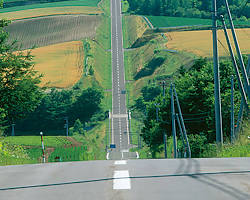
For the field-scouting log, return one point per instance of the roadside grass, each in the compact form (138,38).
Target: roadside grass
(164,21)
(69,154)
(99,58)
(137,58)
(92,3)
(32,141)
(241,147)
(200,42)
(133,28)
(61,64)
(39,12)
(95,141)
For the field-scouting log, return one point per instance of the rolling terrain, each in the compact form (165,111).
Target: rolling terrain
(61,64)
(45,31)
(200,42)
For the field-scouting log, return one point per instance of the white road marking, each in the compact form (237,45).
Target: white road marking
(120,162)
(121,180)
(137,155)
(107,156)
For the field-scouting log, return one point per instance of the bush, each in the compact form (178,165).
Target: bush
(197,144)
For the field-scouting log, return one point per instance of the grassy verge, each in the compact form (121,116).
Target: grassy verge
(95,141)
(49,141)
(164,21)
(133,28)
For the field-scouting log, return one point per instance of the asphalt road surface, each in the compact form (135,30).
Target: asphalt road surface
(187,179)
(119,118)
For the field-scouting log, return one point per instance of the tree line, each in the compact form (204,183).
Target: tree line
(188,8)
(33,108)
(195,88)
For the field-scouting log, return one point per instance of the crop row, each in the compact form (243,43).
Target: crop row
(45,31)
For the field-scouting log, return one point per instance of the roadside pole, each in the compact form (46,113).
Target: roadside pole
(12,129)
(217,103)
(236,69)
(242,65)
(173,121)
(163,83)
(67,126)
(41,133)
(109,132)
(232,109)
(182,123)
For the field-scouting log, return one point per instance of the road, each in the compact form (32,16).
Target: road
(119,118)
(189,179)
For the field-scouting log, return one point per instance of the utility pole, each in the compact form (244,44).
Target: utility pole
(173,121)
(163,83)
(165,139)
(181,133)
(12,129)
(241,87)
(109,133)
(67,126)
(232,109)
(243,70)
(182,122)
(218,116)
(240,114)
(41,133)
(157,111)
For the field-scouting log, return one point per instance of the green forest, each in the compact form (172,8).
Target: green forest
(195,89)
(188,8)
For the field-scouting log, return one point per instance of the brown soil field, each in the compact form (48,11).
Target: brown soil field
(50,11)
(200,42)
(44,31)
(61,64)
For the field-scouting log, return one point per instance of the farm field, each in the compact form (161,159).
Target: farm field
(45,31)
(49,141)
(200,42)
(61,64)
(164,21)
(37,12)
(92,3)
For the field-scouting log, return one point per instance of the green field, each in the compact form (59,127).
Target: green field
(69,154)
(164,21)
(49,141)
(92,3)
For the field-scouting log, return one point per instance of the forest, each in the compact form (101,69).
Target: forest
(188,8)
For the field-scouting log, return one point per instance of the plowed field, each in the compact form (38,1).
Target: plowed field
(61,64)
(200,42)
(45,31)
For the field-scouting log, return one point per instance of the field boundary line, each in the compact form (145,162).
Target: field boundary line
(53,15)
(148,22)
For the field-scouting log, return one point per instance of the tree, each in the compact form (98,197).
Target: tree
(195,89)
(87,104)
(19,90)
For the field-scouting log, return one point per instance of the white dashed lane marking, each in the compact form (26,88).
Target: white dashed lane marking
(121,180)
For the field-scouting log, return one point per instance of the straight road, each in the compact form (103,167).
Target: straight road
(119,118)
(173,179)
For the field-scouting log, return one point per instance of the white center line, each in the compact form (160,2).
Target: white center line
(120,162)
(121,180)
